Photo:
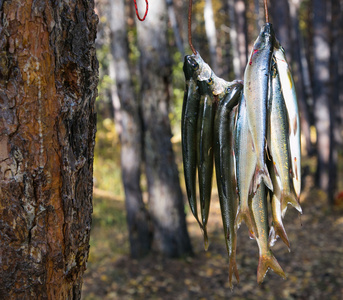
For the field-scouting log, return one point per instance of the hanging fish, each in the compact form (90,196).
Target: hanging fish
(266,257)
(245,167)
(205,151)
(256,94)
(289,94)
(279,146)
(225,170)
(190,111)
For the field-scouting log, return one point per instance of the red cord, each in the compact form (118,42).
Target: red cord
(146,10)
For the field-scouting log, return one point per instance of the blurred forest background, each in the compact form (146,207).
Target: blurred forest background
(144,243)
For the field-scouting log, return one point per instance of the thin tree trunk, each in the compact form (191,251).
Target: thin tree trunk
(335,65)
(210,29)
(128,119)
(165,197)
(234,39)
(279,11)
(321,91)
(175,26)
(48,80)
(242,33)
(300,68)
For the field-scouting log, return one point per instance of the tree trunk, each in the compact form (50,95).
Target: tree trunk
(321,78)
(175,26)
(210,29)
(128,120)
(301,71)
(280,14)
(48,80)
(234,40)
(242,33)
(336,74)
(165,197)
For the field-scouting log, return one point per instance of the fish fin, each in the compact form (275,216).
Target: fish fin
(259,175)
(265,262)
(233,270)
(278,230)
(266,178)
(289,198)
(244,214)
(232,261)
(272,237)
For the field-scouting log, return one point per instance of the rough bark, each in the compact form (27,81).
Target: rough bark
(48,80)
(321,78)
(166,205)
(129,122)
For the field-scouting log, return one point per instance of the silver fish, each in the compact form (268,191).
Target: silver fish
(256,94)
(245,167)
(289,94)
(278,141)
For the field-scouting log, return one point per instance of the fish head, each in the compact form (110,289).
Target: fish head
(265,38)
(190,67)
(234,88)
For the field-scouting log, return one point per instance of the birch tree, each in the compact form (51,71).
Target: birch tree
(129,121)
(166,206)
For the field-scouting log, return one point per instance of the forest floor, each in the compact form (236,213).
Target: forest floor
(314,267)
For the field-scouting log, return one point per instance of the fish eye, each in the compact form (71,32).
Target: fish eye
(210,81)
(195,66)
(191,61)
(227,89)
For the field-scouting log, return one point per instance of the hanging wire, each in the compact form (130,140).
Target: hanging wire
(146,10)
(266,11)
(190,27)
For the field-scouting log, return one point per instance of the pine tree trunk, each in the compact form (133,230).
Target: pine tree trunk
(166,205)
(48,80)
(129,121)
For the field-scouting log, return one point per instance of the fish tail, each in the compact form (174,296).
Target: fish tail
(265,262)
(245,215)
(266,178)
(206,241)
(261,174)
(289,198)
(278,230)
(233,270)
(232,262)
